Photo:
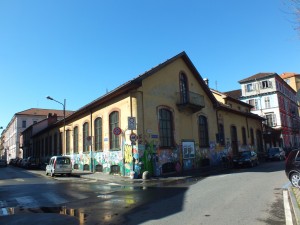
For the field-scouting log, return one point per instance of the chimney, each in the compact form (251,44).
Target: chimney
(206,81)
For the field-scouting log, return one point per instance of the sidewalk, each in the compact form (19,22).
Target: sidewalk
(203,172)
(294,194)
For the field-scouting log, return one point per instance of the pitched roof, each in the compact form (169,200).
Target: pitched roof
(43,112)
(288,75)
(236,94)
(137,82)
(258,76)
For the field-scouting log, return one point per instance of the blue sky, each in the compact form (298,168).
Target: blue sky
(78,50)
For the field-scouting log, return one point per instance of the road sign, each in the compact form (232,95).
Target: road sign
(131,123)
(117,131)
(133,137)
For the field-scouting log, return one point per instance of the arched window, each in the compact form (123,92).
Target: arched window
(55,144)
(244,136)
(98,134)
(68,142)
(221,135)
(85,134)
(252,136)
(114,142)
(203,132)
(75,140)
(166,136)
(183,88)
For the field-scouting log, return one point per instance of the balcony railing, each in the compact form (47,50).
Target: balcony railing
(191,102)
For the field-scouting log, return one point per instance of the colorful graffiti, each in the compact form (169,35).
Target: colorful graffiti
(128,153)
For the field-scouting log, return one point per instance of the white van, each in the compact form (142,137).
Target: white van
(59,165)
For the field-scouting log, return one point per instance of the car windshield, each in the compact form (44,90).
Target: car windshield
(244,154)
(63,161)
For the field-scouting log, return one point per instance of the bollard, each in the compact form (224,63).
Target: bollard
(146,175)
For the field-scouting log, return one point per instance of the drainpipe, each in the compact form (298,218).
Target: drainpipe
(91,147)
(133,160)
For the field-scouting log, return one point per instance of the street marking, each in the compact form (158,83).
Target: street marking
(4,212)
(54,198)
(77,195)
(27,201)
(19,179)
(287,209)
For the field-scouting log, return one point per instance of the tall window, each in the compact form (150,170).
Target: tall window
(254,103)
(244,136)
(252,136)
(203,132)
(221,135)
(267,102)
(75,140)
(249,87)
(67,142)
(271,119)
(113,123)
(24,124)
(85,134)
(166,128)
(55,152)
(183,88)
(50,145)
(98,134)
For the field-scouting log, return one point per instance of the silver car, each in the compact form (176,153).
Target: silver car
(59,165)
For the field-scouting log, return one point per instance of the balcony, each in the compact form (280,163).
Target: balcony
(193,102)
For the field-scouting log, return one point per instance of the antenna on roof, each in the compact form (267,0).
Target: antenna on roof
(216,82)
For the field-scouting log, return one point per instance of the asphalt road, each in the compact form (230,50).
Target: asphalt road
(242,196)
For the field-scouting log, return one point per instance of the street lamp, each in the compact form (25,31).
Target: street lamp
(64,108)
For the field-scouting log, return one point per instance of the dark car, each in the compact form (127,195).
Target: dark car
(32,163)
(245,158)
(275,153)
(3,163)
(292,167)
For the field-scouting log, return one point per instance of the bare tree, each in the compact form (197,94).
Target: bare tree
(293,7)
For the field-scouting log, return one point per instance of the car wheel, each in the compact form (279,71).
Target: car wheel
(295,179)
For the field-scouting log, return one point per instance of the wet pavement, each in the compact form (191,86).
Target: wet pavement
(184,177)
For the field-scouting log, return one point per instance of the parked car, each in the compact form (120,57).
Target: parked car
(245,158)
(59,165)
(24,163)
(292,167)
(32,163)
(3,163)
(275,153)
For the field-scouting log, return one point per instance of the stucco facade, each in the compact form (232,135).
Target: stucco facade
(177,125)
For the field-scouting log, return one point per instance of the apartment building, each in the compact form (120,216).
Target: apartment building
(276,101)
(19,122)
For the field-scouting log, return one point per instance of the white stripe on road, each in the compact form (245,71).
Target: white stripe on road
(4,212)
(77,195)
(287,209)
(54,198)
(27,201)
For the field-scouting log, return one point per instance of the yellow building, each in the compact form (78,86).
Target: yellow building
(163,121)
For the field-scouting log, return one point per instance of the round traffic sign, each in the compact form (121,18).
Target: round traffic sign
(117,131)
(133,137)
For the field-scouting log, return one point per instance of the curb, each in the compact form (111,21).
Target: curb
(295,206)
